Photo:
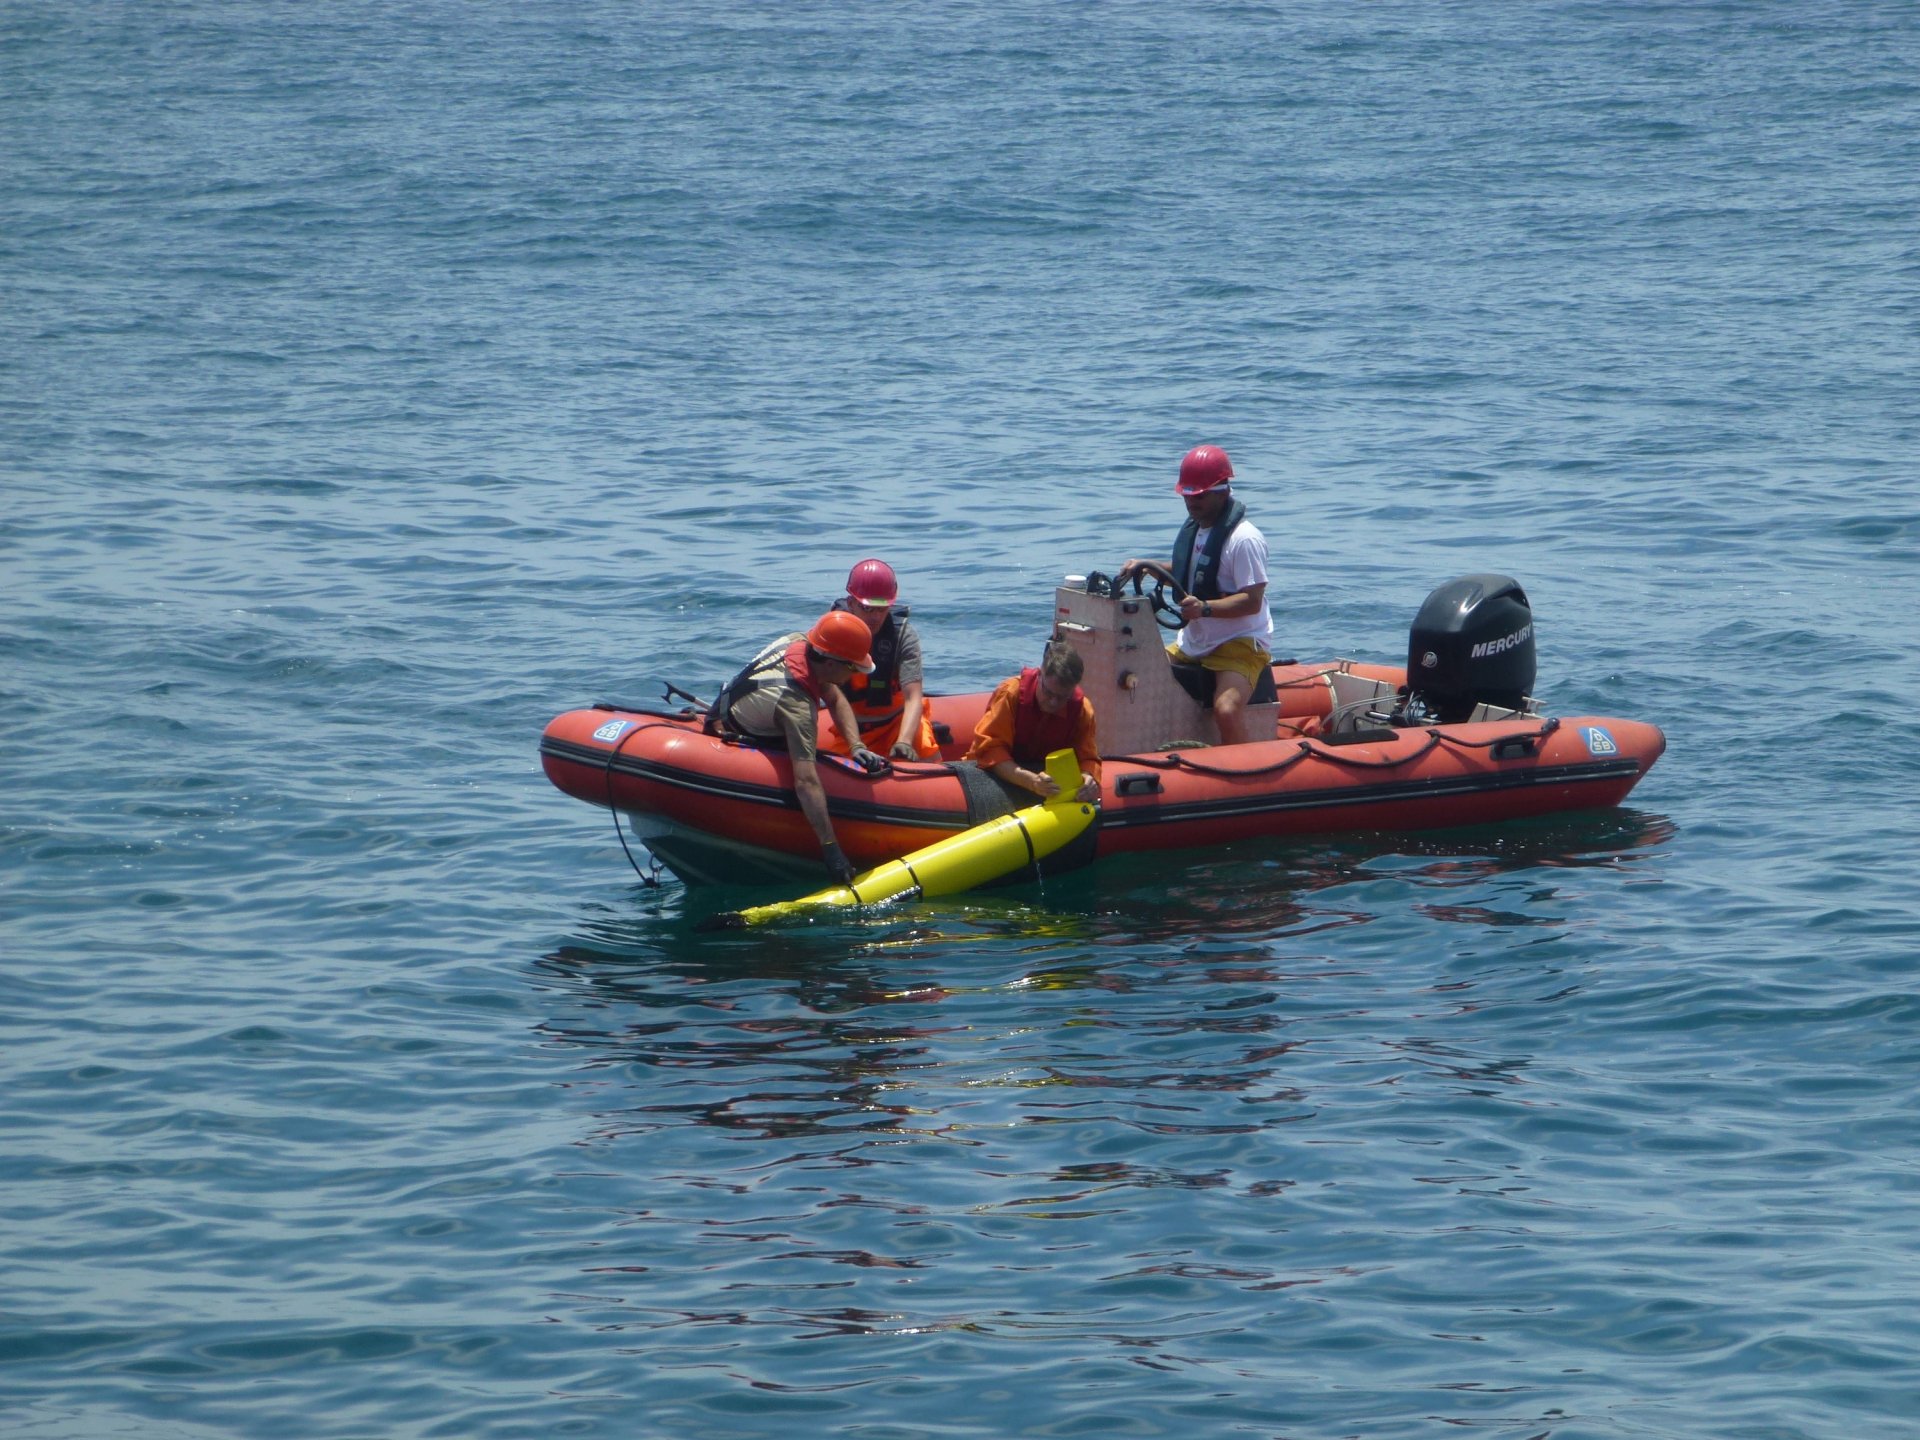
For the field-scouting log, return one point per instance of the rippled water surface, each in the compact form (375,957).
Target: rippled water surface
(378,381)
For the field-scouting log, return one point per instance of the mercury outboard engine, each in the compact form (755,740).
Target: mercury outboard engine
(1471,644)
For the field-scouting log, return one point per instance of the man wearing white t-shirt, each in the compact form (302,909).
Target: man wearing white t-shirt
(1220,559)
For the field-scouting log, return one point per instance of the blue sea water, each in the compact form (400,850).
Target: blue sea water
(377,381)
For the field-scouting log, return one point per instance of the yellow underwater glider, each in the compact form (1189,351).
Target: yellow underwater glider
(947,867)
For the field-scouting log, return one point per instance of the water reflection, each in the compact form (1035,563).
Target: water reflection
(1136,1108)
(1207,980)
(831,1019)
(1284,890)
(801,1032)
(1253,887)
(1600,838)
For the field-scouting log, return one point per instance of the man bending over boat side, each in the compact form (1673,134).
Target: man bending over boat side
(1033,714)
(774,702)
(890,705)
(1220,560)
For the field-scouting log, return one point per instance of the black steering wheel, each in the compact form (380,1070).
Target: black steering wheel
(1164,594)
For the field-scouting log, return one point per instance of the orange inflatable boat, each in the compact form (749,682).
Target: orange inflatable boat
(1354,747)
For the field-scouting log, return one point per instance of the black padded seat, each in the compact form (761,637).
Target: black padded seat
(1198,682)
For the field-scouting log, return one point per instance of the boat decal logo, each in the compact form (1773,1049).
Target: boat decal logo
(1487,648)
(613,730)
(1599,742)
(1429,660)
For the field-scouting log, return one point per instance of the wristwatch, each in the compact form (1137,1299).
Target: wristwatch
(1206,608)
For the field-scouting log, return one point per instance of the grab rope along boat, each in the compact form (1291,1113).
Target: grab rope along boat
(1352,747)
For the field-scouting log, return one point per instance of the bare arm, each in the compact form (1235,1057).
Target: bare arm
(914,695)
(813,800)
(806,778)
(841,709)
(1227,607)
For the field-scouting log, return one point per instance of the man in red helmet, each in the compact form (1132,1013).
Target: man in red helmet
(1220,560)
(890,704)
(773,702)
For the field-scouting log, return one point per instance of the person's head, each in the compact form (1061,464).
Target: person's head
(838,645)
(1060,672)
(1206,482)
(872,588)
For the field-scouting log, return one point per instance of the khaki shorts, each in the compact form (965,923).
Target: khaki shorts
(1239,657)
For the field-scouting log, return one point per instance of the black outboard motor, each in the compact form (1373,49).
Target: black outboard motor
(1471,644)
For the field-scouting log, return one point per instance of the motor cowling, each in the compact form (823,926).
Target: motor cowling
(1471,644)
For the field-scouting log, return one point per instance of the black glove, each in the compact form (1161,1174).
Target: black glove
(838,865)
(867,759)
(903,750)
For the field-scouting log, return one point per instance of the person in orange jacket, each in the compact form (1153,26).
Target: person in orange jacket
(774,700)
(889,705)
(1033,714)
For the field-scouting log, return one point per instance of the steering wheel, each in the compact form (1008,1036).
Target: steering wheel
(1164,594)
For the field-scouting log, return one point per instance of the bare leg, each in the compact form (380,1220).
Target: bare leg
(1230,694)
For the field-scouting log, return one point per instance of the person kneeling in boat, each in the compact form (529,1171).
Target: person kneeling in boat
(774,702)
(1220,560)
(1030,716)
(889,705)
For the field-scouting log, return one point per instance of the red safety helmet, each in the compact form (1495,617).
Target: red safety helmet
(1206,467)
(843,637)
(872,582)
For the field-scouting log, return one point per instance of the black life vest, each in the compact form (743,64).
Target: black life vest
(772,669)
(1205,584)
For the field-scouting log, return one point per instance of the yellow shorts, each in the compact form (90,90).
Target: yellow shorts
(1239,657)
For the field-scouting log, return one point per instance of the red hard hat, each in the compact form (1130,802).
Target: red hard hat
(872,582)
(844,637)
(1205,467)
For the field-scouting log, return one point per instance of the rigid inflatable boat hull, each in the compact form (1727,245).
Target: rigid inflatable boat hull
(718,812)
